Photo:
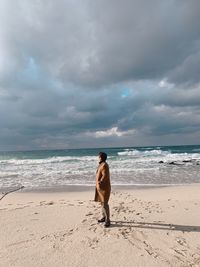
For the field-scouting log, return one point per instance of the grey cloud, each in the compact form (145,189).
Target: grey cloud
(139,40)
(188,72)
(65,65)
(104,42)
(68,116)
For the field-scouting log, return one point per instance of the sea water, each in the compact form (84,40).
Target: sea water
(129,166)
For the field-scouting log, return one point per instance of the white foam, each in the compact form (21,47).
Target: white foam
(146,153)
(130,167)
(47,160)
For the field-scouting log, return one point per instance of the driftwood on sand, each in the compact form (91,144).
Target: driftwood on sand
(11,191)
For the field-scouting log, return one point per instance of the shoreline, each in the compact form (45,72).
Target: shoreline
(87,188)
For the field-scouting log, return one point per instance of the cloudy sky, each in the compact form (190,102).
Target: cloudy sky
(99,73)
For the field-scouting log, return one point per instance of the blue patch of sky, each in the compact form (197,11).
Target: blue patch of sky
(33,74)
(30,72)
(125,92)
(32,69)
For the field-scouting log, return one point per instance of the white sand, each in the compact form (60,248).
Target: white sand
(150,227)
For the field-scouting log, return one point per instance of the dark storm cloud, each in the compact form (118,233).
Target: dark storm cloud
(105,42)
(98,73)
(135,40)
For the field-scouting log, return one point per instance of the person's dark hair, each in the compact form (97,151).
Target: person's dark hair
(103,156)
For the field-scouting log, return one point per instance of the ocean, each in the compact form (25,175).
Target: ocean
(129,166)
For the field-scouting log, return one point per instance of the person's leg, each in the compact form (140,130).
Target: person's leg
(103,210)
(103,213)
(107,214)
(106,211)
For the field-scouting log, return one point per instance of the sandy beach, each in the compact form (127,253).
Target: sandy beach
(149,227)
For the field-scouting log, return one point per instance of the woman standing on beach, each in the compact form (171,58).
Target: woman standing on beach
(103,188)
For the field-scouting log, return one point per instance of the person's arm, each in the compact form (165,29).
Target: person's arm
(104,175)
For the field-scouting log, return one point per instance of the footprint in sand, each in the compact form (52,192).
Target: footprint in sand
(53,236)
(89,214)
(182,241)
(131,211)
(150,250)
(50,203)
(180,252)
(20,208)
(42,203)
(91,242)
(93,227)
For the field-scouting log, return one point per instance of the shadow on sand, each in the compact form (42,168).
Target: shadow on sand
(156,226)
